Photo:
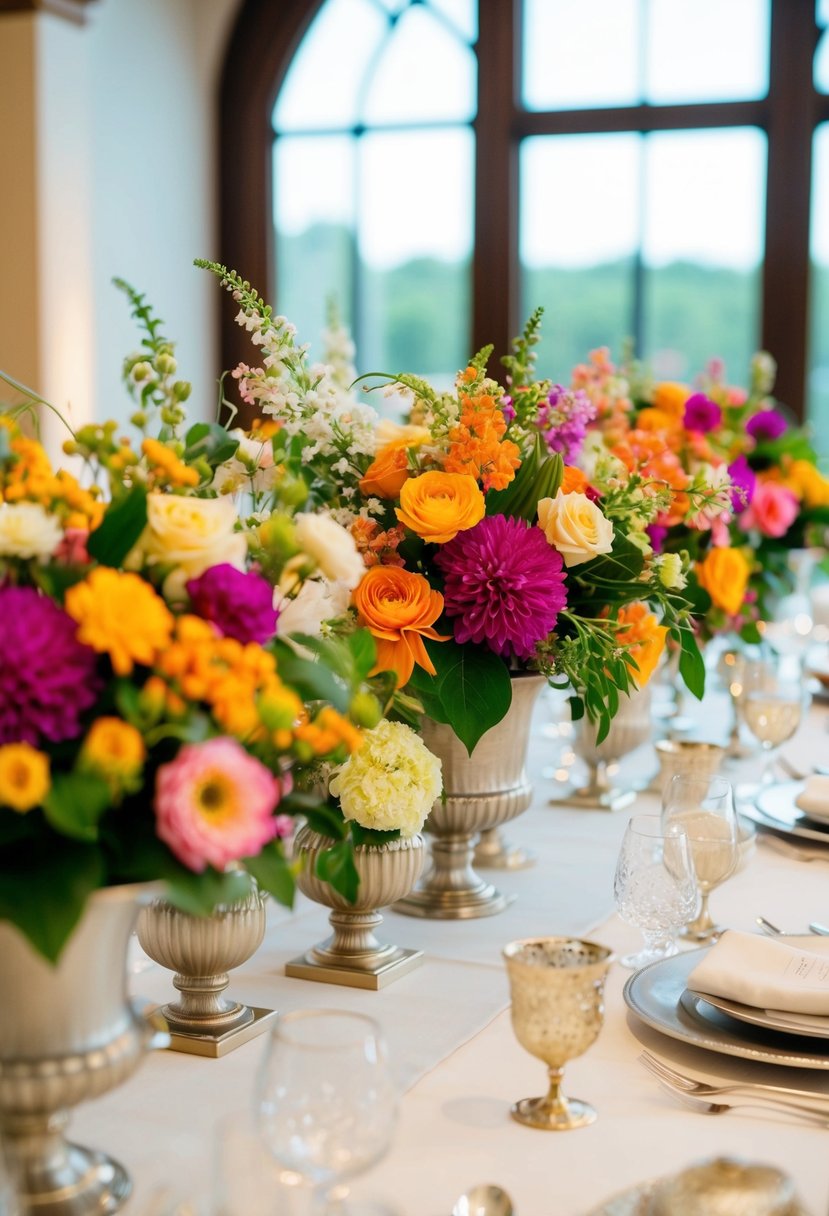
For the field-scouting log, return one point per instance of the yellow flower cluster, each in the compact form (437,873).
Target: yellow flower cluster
(166,467)
(115,751)
(120,615)
(28,477)
(24,776)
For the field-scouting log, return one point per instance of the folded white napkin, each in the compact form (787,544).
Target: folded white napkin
(766,972)
(813,799)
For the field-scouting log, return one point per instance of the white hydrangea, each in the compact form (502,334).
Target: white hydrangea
(391,783)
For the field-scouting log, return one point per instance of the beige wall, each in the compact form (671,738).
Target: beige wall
(110,157)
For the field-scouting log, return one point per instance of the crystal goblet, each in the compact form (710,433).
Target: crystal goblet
(655,886)
(557,988)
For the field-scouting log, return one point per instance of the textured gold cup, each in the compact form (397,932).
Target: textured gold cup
(557,989)
(687,758)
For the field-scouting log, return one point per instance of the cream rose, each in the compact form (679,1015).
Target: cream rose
(331,547)
(316,601)
(192,534)
(575,527)
(28,530)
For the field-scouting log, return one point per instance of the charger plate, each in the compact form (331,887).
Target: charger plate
(776,808)
(658,994)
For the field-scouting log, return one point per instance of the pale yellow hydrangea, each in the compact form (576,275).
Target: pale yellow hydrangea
(391,782)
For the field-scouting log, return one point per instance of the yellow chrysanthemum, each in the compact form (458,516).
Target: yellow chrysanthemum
(120,615)
(113,748)
(24,776)
(167,466)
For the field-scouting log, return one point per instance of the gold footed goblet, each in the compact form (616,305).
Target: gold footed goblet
(557,989)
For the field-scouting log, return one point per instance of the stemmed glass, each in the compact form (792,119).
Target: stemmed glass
(704,807)
(326,1103)
(655,886)
(772,704)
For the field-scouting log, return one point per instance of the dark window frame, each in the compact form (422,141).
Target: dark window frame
(261,47)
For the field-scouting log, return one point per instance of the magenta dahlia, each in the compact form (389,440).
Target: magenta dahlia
(47,678)
(504,585)
(239,604)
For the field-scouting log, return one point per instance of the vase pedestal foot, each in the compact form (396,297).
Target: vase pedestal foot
(215,1042)
(599,800)
(373,971)
(74,1181)
(484,900)
(492,852)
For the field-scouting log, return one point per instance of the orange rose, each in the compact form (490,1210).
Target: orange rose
(385,476)
(573,481)
(671,398)
(399,608)
(639,631)
(437,506)
(724,575)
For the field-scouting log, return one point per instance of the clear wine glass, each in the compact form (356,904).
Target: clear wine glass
(655,886)
(772,704)
(704,807)
(326,1103)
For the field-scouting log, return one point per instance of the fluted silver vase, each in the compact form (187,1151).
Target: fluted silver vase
(353,955)
(201,950)
(631,727)
(68,1033)
(482,791)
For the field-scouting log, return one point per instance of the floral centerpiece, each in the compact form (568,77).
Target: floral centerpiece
(153,726)
(489,552)
(736,482)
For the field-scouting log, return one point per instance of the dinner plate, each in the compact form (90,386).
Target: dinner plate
(775,808)
(655,994)
(811,1025)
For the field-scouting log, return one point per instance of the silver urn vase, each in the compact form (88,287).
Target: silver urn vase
(482,791)
(631,727)
(68,1033)
(201,950)
(353,955)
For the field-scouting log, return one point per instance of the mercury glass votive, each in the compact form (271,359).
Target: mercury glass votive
(557,989)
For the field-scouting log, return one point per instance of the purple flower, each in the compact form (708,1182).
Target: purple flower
(504,584)
(563,419)
(701,414)
(239,605)
(508,409)
(656,534)
(766,425)
(47,678)
(744,480)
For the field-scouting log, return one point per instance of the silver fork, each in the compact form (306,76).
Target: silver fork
(791,850)
(791,1099)
(721,1108)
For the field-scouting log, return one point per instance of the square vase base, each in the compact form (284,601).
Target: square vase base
(217,1045)
(608,800)
(404,961)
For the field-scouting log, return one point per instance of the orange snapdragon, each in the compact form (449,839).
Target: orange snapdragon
(477,446)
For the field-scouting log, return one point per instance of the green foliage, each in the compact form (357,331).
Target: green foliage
(210,442)
(471,690)
(43,890)
(520,364)
(122,525)
(539,476)
(336,866)
(273,873)
(75,803)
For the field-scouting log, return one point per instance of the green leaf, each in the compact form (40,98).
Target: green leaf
(539,476)
(371,836)
(751,634)
(211,442)
(75,804)
(312,680)
(336,866)
(273,873)
(200,894)
(623,564)
(472,685)
(363,651)
(44,893)
(691,664)
(576,708)
(56,579)
(326,821)
(123,523)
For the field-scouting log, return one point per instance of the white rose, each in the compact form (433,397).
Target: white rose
(331,547)
(316,601)
(192,534)
(575,526)
(28,530)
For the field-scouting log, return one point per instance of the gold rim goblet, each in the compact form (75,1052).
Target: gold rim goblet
(557,989)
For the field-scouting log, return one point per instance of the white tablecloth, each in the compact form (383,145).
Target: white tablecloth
(450,1034)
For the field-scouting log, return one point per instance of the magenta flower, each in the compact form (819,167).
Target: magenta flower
(766,426)
(47,678)
(744,480)
(214,804)
(656,535)
(239,605)
(504,585)
(701,414)
(563,419)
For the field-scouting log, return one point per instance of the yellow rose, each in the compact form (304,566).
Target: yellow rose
(804,480)
(670,398)
(575,527)
(391,433)
(724,575)
(437,506)
(192,534)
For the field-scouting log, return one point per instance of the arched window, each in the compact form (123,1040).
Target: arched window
(642,168)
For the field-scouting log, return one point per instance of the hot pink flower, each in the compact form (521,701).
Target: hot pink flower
(214,804)
(773,510)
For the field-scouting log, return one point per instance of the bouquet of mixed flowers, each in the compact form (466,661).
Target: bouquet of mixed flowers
(154,723)
(488,551)
(737,483)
